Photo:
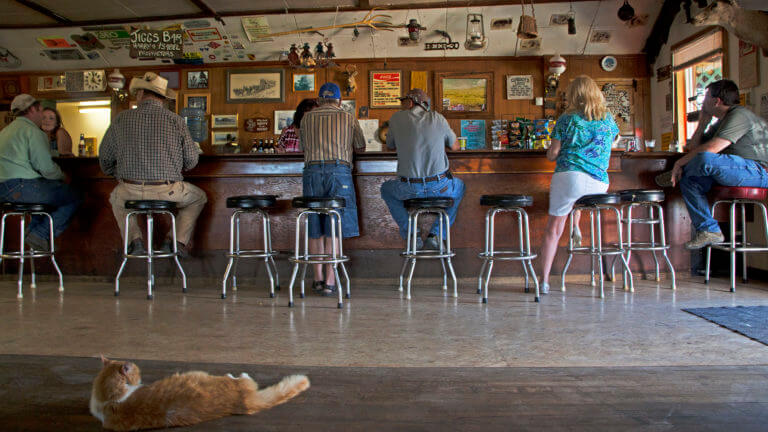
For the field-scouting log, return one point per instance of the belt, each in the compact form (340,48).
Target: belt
(330,162)
(426,179)
(148,183)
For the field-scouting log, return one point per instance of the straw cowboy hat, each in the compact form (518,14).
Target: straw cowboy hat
(152,82)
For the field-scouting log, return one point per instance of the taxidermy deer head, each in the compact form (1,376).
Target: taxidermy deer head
(748,25)
(350,71)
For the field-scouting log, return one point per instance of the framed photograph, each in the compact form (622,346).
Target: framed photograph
(219,121)
(464,95)
(303,82)
(283,119)
(519,86)
(255,85)
(198,100)
(386,86)
(197,79)
(222,138)
(172,77)
(349,106)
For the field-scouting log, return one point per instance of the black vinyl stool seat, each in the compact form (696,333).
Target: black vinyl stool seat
(150,208)
(252,201)
(320,206)
(504,203)
(421,203)
(258,205)
(437,206)
(310,202)
(649,201)
(737,198)
(24,211)
(27,207)
(595,205)
(150,205)
(506,200)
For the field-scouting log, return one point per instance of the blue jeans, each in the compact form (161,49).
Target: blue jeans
(708,169)
(394,192)
(331,180)
(43,191)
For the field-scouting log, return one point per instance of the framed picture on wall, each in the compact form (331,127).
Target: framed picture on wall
(255,85)
(463,95)
(197,79)
(303,82)
(349,106)
(224,137)
(219,121)
(283,119)
(386,87)
(198,100)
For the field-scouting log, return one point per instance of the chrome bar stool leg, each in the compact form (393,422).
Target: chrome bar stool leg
(21,256)
(53,252)
(600,251)
(150,253)
(449,250)
(733,246)
(231,259)
(296,256)
(628,252)
(570,255)
(125,254)
(663,237)
(744,243)
(267,249)
(593,282)
(442,261)
(176,254)
(653,243)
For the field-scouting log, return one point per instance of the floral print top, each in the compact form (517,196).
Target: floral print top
(585,145)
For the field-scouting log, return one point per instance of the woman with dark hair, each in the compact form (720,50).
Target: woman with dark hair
(58,137)
(289,137)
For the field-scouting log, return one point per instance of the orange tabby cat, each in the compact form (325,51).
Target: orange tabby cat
(122,403)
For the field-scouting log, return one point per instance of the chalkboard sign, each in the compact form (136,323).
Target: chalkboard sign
(157,44)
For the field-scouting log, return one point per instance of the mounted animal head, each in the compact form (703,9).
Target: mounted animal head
(717,13)
(351,72)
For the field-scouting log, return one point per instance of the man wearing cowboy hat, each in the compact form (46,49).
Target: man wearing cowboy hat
(28,175)
(420,137)
(146,149)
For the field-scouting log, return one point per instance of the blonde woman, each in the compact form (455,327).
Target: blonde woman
(581,145)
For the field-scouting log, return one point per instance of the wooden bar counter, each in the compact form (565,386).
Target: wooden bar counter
(91,245)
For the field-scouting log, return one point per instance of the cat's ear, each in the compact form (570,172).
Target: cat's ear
(104,360)
(126,369)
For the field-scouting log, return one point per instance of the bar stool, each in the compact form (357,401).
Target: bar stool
(503,204)
(150,208)
(650,200)
(738,197)
(24,211)
(595,204)
(417,207)
(250,204)
(318,206)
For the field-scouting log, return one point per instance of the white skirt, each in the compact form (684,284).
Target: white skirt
(569,186)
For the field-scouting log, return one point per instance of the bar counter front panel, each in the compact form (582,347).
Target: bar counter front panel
(92,245)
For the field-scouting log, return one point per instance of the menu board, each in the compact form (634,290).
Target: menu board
(157,44)
(385,89)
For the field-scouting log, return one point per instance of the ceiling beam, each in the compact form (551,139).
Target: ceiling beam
(45,11)
(207,10)
(217,15)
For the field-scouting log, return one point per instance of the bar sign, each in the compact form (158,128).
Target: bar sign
(157,44)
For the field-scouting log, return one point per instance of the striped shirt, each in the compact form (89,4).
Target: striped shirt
(149,143)
(329,133)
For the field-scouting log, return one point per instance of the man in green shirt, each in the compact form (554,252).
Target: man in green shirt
(731,152)
(29,175)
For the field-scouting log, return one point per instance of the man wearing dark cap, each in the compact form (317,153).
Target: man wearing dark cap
(328,136)
(146,149)
(29,175)
(731,152)
(420,137)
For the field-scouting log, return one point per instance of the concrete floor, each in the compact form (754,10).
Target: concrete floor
(379,328)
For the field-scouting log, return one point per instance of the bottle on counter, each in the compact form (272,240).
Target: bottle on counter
(261,146)
(81,150)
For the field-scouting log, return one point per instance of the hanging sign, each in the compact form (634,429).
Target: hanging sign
(257,124)
(519,86)
(254,27)
(157,44)
(385,88)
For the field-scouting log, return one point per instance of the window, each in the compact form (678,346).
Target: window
(696,62)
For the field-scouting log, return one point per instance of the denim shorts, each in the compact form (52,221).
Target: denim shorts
(331,180)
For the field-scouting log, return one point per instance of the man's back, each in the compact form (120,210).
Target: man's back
(148,143)
(747,132)
(329,133)
(420,137)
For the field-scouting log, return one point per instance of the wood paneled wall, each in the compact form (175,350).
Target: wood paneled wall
(629,67)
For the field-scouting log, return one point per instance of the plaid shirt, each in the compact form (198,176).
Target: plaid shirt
(328,133)
(148,143)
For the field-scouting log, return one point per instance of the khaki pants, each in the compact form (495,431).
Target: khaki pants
(189,200)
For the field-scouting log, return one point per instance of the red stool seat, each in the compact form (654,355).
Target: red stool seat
(738,192)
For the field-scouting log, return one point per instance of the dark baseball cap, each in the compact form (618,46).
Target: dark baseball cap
(418,96)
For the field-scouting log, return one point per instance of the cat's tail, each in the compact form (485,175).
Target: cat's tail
(281,392)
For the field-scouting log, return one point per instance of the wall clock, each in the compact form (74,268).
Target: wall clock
(94,80)
(608,63)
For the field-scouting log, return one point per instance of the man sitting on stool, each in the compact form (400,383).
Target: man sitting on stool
(733,152)
(420,137)
(28,175)
(146,149)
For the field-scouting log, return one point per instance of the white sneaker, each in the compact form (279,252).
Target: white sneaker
(544,288)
